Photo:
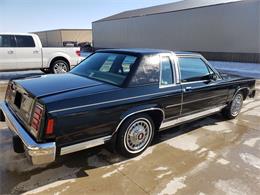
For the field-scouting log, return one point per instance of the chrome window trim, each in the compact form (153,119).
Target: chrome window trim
(139,111)
(171,123)
(172,61)
(177,69)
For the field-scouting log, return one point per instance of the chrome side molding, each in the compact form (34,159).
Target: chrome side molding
(84,145)
(194,116)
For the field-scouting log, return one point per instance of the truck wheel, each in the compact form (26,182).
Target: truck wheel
(59,67)
(234,107)
(135,135)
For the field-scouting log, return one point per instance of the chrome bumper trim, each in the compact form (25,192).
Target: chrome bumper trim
(84,145)
(38,153)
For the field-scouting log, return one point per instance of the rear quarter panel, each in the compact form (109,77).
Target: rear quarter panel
(103,111)
(48,54)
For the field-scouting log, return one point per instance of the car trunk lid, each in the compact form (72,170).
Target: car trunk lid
(46,85)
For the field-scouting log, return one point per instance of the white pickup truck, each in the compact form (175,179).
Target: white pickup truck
(24,51)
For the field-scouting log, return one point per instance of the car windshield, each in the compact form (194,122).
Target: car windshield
(112,68)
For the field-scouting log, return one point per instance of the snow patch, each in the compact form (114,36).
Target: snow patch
(252,142)
(164,174)
(161,169)
(223,161)
(250,159)
(174,185)
(109,174)
(233,187)
(202,150)
(185,142)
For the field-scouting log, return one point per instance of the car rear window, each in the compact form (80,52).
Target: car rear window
(107,67)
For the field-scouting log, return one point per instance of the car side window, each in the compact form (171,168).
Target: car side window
(148,71)
(7,41)
(192,69)
(166,71)
(24,41)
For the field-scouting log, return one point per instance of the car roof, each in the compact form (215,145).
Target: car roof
(12,33)
(146,51)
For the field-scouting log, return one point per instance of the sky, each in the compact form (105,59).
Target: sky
(38,15)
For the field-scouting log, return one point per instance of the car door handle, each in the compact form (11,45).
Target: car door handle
(187,89)
(35,51)
(10,52)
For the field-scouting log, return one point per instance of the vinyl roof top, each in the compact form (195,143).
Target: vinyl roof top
(170,7)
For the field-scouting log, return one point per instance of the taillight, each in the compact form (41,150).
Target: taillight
(49,127)
(78,52)
(36,118)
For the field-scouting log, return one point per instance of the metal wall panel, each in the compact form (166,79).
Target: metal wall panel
(77,35)
(55,38)
(231,28)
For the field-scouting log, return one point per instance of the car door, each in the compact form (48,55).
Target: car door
(7,52)
(200,92)
(169,83)
(27,53)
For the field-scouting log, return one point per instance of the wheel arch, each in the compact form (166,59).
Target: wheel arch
(244,90)
(59,58)
(157,115)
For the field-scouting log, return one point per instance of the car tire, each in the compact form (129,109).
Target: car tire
(45,70)
(233,108)
(59,67)
(135,135)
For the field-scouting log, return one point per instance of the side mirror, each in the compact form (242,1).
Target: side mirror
(213,77)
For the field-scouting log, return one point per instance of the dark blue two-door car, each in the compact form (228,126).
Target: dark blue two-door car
(119,96)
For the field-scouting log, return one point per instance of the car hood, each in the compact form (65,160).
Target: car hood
(46,85)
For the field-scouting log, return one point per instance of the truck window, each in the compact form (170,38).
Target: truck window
(166,71)
(192,69)
(7,41)
(24,41)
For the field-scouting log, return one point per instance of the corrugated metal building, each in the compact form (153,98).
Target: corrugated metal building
(219,29)
(57,38)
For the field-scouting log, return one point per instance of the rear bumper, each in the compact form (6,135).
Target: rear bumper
(38,153)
